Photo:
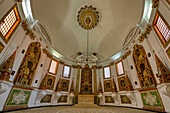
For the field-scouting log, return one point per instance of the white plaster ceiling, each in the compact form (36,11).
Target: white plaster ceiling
(60,20)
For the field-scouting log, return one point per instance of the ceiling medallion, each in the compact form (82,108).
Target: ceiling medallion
(88,17)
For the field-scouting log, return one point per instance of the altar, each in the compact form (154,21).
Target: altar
(85,99)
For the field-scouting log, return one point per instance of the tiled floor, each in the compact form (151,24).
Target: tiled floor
(81,109)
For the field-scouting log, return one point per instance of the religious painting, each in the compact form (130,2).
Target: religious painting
(143,68)
(46,99)
(18,98)
(50,82)
(122,83)
(125,99)
(6,68)
(62,99)
(86,80)
(1,47)
(28,65)
(151,100)
(109,99)
(107,86)
(64,85)
(125,84)
(163,72)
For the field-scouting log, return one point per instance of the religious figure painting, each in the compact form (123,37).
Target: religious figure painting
(64,85)
(28,65)
(143,68)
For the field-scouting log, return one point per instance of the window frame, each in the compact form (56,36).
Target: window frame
(117,68)
(104,72)
(13,28)
(69,71)
(56,68)
(158,33)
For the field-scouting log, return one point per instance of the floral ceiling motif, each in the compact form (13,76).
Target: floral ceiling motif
(88,17)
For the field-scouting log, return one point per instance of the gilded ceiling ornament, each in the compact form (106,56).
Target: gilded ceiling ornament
(88,17)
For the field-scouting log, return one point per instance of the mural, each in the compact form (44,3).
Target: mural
(50,82)
(63,98)
(109,99)
(1,47)
(28,65)
(18,98)
(86,80)
(64,85)
(6,67)
(125,99)
(163,72)
(46,99)
(143,68)
(152,100)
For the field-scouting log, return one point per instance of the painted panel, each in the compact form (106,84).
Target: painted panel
(18,98)
(109,99)
(125,99)
(152,100)
(63,99)
(50,82)
(46,98)
(65,85)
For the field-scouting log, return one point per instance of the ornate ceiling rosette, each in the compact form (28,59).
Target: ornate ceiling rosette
(88,17)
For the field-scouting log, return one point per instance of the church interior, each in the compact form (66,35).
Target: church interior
(84,56)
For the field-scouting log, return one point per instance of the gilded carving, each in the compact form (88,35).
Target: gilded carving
(88,17)
(6,68)
(126,55)
(143,68)
(163,72)
(86,80)
(125,84)
(155,3)
(109,86)
(28,65)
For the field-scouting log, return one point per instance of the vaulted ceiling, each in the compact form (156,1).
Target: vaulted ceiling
(59,17)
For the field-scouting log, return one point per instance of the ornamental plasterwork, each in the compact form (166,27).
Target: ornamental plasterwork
(150,99)
(19,98)
(88,17)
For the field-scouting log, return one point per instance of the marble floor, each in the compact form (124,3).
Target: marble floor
(81,109)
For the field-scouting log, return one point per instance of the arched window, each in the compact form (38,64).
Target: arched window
(143,68)
(28,65)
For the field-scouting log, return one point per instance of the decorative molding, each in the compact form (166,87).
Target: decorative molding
(88,17)
(126,54)
(144,35)
(165,89)
(18,0)
(155,3)
(61,62)
(112,63)
(31,34)
(49,55)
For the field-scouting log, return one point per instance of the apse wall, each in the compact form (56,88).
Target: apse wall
(31,75)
